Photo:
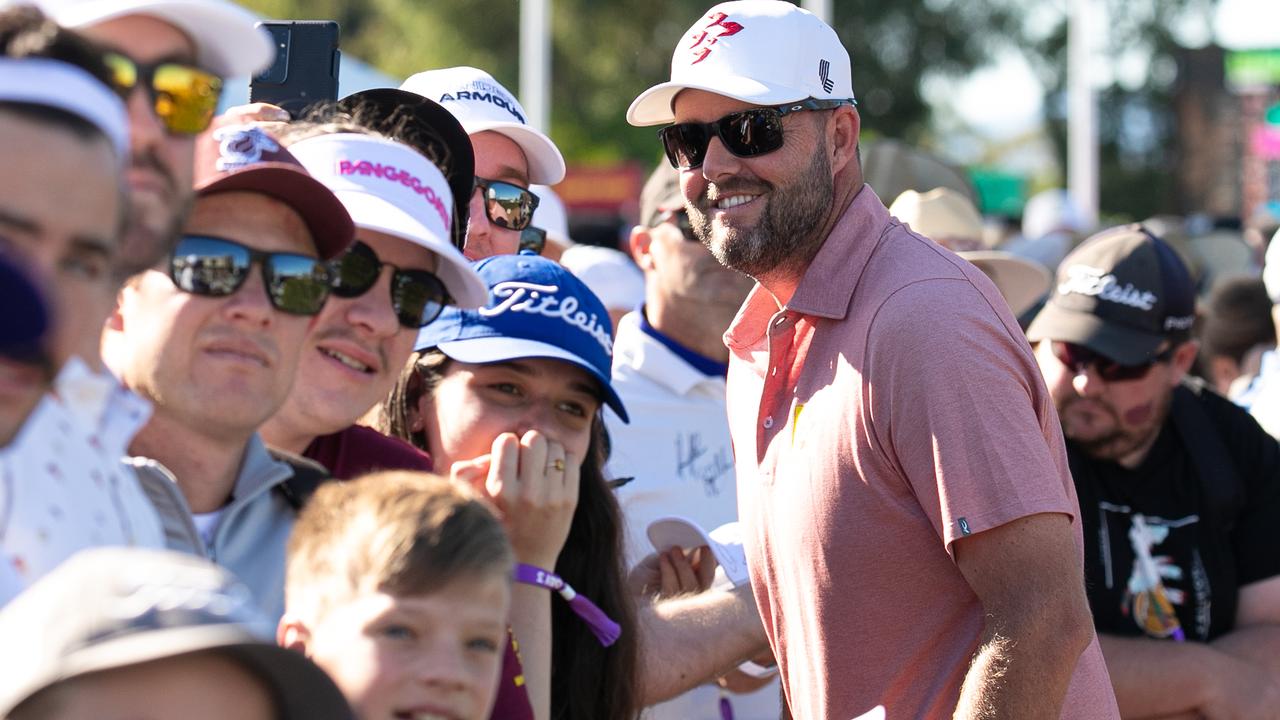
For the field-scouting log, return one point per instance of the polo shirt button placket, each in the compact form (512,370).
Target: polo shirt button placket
(768,423)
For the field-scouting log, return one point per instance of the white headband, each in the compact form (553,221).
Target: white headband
(60,85)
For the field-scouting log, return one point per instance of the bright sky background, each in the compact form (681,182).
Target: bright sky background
(1005,99)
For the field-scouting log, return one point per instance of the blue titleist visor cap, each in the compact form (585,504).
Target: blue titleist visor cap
(536,309)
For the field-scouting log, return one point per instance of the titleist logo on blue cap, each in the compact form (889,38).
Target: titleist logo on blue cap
(535,299)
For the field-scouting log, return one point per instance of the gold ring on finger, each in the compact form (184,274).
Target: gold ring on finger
(558,464)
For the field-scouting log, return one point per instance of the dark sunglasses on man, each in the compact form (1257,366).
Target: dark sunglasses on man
(217,267)
(508,206)
(746,133)
(184,97)
(1077,358)
(417,296)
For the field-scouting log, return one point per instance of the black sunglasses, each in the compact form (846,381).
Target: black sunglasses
(417,296)
(533,239)
(1077,358)
(217,267)
(746,133)
(679,218)
(508,206)
(184,97)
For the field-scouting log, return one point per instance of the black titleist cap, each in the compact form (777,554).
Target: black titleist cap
(1122,294)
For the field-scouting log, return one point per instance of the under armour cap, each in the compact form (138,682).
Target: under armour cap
(227,43)
(481,104)
(536,309)
(1122,293)
(245,158)
(391,188)
(110,608)
(762,52)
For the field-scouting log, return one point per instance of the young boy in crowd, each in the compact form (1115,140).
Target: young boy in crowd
(398,585)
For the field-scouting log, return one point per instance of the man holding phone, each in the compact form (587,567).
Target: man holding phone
(510,155)
(170,56)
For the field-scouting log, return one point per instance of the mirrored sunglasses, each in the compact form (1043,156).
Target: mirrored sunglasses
(183,97)
(217,267)
(508,206)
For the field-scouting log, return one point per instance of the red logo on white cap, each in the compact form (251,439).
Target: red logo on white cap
(703,41)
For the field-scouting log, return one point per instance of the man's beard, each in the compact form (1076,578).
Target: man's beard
(786,236)
(1120,441)
(151,233)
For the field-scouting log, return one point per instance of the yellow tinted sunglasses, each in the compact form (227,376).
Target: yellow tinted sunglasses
(184,97)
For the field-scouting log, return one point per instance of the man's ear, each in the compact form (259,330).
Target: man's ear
(115,321)
(641,241)
(293,634)
(1183,358)
(843,131)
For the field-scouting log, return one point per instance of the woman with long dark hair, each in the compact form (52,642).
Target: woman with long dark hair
(509,397)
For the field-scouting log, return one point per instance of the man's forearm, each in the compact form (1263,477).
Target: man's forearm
(689,640)
(1021,672)
(1258,644)
(1157,678)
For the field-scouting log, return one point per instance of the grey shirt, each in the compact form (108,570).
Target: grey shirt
(253,527)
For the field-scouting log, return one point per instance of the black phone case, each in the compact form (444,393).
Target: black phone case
(305,70)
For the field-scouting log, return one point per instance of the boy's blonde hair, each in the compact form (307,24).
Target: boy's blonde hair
(403,533)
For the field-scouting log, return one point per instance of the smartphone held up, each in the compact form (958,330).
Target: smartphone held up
(305,70)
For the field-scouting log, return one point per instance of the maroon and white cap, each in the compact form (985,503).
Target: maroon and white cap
(244,158)
(762,52)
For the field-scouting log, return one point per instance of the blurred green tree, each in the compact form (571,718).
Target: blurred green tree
(606,52)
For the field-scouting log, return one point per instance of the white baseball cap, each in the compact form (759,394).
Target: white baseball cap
(481,104)
(762,52)
(227,43)
(389,187)
(611,274)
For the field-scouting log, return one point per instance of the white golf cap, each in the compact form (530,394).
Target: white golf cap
(481,104)
(227,42)
(391,188)
(762,52)
(611,274)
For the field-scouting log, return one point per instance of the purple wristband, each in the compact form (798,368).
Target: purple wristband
(605,629)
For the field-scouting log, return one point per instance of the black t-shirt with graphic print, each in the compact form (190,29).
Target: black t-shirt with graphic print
(1158,560)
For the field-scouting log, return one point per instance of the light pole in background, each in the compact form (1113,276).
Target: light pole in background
(535,62)
(821,8)
(1082,113)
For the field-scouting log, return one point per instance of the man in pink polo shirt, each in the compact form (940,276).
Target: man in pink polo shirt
(909,518)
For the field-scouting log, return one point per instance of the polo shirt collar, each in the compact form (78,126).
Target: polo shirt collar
(655,361)
(828,284)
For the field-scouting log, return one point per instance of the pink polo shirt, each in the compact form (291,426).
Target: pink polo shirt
(893,407)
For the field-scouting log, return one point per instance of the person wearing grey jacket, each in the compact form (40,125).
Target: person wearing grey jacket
(212,338)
